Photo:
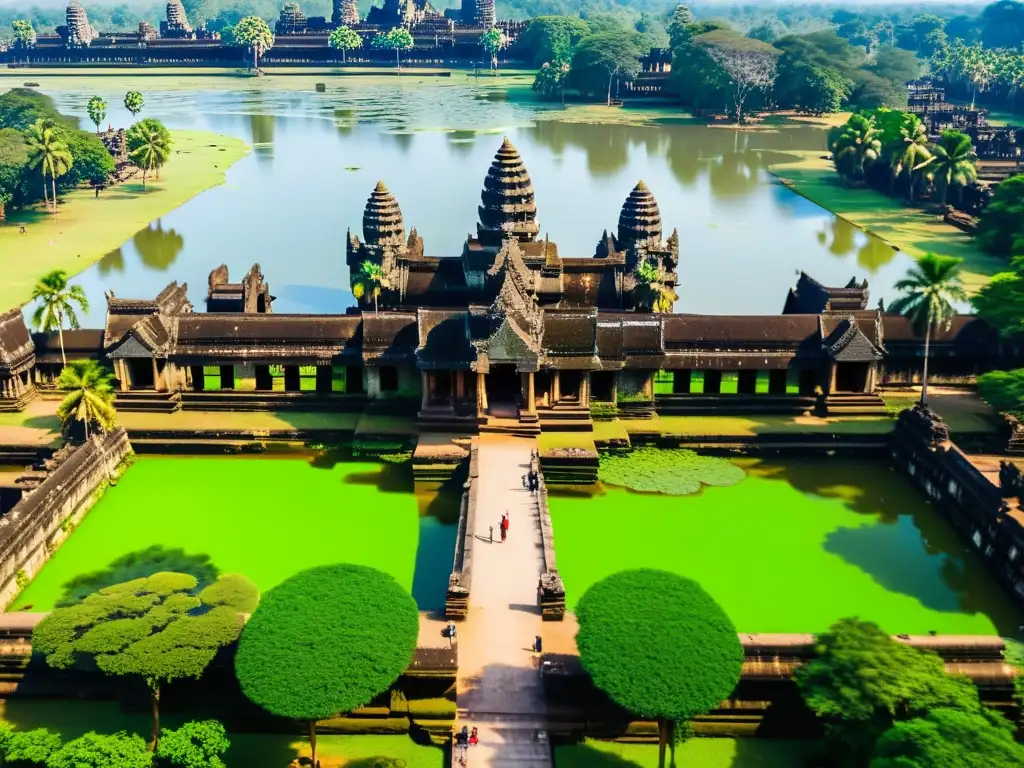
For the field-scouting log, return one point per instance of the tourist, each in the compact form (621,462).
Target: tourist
(473,738)
(490,538)
(504,527)
(450,632)
(538,644)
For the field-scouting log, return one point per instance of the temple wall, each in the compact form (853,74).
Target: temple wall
(634,384)
(972,504)
(410,381)
(456,604)
(40,522)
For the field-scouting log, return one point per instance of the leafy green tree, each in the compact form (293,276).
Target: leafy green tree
(31,747)
(492,41)
(56,302)
(651,293)
(927,295)
(344,39)
(13,161)
(312,649)
(1002,24)
(896,65)
(749,65)
(659,646)
(20,107)
(24,37)
(953,163)
(93,163)
(1001,223)
(370,281)
(1004,390)
(90,397)
(678,26)
(94,750)
(254,34)
(49,153)
(197,744)
(149,146)
(949,737)
(600,58)
(861,682)
(97,109)
(855,147)
(1000,302)
(155,628)
(397,40)
(910,154)
(551,38)
(134,102)
(549,82)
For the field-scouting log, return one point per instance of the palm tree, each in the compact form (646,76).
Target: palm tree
(57,302)
(855,147)
(650,293)
(90,396)
(47,151)
(370,281)
(149,146)
(910,152)
(928,292)
(953,163)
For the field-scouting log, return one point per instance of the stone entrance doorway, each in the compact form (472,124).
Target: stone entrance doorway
(852,377)
(504,390)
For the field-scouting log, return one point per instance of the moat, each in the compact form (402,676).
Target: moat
(316,156)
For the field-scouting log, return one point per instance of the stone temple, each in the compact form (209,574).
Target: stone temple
(79,32)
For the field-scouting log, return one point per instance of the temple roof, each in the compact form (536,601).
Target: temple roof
(507,205)
(809,297)
(382,218)
(16,347)
(444,340)
(84,344)
(848,344)
(640,219)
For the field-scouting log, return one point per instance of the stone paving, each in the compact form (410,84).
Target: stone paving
(499,686)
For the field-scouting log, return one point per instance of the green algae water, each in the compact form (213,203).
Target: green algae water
(266,518)
(793,547)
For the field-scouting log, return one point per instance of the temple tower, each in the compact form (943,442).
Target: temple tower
(176,24)
(382,218)
(484,14)
(345,13)
(80,32)
(640,219)
(508,208)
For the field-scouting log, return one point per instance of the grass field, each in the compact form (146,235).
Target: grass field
(73,718)
(911,230)
(86,228)
(267,518)
(795,546)
(705,753)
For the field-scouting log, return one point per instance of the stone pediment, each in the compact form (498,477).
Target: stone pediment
(129,348)
(508,345)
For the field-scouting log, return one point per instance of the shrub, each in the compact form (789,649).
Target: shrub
(674,472)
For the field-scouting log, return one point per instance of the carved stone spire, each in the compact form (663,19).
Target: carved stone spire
(640,219)
(507,205)
(348,12)
(382,219)
(176,16)
(80,32)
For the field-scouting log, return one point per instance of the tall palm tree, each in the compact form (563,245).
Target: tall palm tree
(910,153)
(56,305)
(855,147)
(47,151)
(90,396)
(953,163)
(370,280)
(149,146)
(650,293)
(928,292)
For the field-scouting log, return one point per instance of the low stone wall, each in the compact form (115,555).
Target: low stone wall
(985,515)
(36,526)
(550,590)
(456,604)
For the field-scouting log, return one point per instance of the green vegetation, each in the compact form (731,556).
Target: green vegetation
(134,102)
(369,281)
(1003,390)
(861,683)
(48,153)
(157,628)
(344,39)
(253,33)
(149,146)
(94,750)
(492,41)
(228,517)
(651,292)
(1001,224)
(312,648)
(926,297)
(705,753)
(31,747)
(397,40)
(659,646)
(97,111)
(677,473)
(949,737)
(56,302)
(839,537)
(198,744)
(90,397)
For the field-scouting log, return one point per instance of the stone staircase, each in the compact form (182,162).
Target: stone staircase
(854,404)
(148,401)
(507,741)
(566,417)
(498,425)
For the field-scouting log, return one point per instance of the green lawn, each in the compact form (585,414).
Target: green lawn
(912,230)
(267,518)
(705,753)
(750,426)
(793,547)
(73,718)
(86,228)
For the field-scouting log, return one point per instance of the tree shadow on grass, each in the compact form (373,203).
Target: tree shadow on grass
(135,565)
(585,756)
(775,753)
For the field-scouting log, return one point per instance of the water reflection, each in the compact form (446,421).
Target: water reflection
(432,144)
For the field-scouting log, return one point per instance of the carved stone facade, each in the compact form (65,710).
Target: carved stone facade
(345,13)
(176,25)
(79,31)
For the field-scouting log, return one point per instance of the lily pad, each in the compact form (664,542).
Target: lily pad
(672,472)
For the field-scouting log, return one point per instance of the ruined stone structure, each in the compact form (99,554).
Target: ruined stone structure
(78,33)
(147,31)
(176,24)
(478,13)
(17,359)
(345,13)
(252,295)
(291,21)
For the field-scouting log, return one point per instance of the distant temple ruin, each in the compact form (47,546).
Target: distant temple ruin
(176,25)
(78,31)
(345,13)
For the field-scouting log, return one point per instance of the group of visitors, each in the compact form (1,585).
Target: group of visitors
(465,739)
(531,481)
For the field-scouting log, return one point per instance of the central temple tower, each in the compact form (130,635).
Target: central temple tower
(507,208)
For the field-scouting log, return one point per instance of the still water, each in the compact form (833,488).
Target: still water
(317,156)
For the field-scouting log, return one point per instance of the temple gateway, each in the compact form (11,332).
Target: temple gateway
(506,335)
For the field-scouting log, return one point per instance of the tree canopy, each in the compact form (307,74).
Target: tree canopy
(325,641)
(601,57)
(658,645)
(197,744)
(949,737)
(1001,224)
(94,750)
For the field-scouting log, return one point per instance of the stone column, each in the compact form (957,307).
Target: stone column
(460,384)
(649,385)
(556,386)
(122,374)
(481,393)
(156,376)
(425,396)
(585,389)
(615,387)
(830,386)
(531,399)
